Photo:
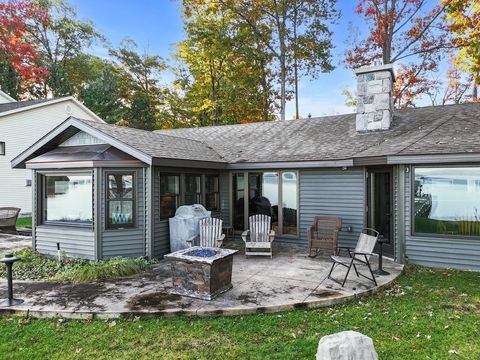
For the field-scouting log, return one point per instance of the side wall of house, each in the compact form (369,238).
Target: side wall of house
(19,131)
(128,242)
(333,192)
(435,251)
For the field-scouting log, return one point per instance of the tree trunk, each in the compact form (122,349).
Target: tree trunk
(283,77)
(476,80)
(295,64)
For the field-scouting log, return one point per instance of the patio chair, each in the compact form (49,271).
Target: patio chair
(210,233)
(8,218)
(323,235)
(260,236)
(359,256)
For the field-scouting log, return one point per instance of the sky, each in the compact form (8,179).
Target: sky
(156,25)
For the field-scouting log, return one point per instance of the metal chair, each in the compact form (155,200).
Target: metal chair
(359,256)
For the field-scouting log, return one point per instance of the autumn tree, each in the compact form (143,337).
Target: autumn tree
(223,77)
(409,33)
(138,76)
(18,56)
(305,47)
(463,17)
(60,40)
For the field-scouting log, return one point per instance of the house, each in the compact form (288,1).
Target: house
(21,124)
(413,174)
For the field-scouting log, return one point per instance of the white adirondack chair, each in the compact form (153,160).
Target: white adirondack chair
(210,233)
(259,237)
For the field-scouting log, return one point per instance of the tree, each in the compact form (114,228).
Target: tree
(271,21)
(464,19)
(60,40)
(18,55)
(409,32)
(103,97)
(138,78)
(224,78)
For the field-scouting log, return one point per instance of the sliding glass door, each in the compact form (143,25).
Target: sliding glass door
(265,192)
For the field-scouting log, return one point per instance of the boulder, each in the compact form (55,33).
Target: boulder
(346,345)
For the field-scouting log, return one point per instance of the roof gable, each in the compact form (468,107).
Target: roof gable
(15,107)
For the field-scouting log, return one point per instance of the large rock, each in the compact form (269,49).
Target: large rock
(346,345)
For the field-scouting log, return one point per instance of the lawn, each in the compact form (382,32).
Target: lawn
(426,314)
(24,222)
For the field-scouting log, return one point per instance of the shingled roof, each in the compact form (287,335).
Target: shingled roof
(332,140)
(428,130)
(157,145)
(21,104)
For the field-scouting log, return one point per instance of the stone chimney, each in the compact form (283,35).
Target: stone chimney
(375,97)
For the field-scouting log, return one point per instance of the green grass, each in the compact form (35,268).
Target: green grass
(426,314)
(24,222)
(38,267)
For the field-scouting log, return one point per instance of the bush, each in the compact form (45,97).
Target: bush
(35,266)
(103,270)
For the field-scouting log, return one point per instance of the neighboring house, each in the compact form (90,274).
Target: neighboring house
(414,175)
(21,124)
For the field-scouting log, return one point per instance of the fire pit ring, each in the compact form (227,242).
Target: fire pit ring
(201,272)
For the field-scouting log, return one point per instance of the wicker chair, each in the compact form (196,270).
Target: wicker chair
(8,218)
(323,235)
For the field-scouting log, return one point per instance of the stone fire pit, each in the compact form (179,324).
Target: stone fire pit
(201,272)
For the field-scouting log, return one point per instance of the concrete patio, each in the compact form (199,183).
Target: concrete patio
(11,242)
(290,280)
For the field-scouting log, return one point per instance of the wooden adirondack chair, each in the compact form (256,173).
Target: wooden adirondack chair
(210,234)
(8,218)
(323,234)
(260,236)
(359,256)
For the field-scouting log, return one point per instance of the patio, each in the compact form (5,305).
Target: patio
(289,280)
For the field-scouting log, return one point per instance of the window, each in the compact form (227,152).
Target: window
(2,148)
(169,195)
(289,203)
(238,202)
(273,193)
(193,189)
(212,192)
(447,201)
(120,200)
(263,195)
(68,199)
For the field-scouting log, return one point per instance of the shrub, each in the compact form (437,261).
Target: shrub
(35,266)
(103,270)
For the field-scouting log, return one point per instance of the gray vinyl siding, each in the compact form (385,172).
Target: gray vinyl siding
(161,239)
(225,191)
(74,241)
(125,242)
(437,251)
(333,192)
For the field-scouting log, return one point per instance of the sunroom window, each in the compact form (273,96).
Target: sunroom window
(212,192)
(68,199)
(120,200)
(193,189)
(169,195)
(447,201)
